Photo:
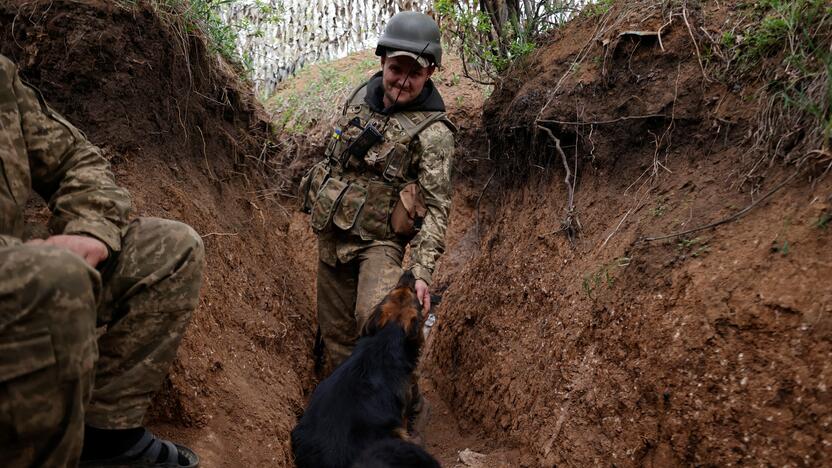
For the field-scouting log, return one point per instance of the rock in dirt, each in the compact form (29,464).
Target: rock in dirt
(471,458)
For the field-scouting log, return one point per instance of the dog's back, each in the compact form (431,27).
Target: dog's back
(395,453)
(360,403)
(363,401)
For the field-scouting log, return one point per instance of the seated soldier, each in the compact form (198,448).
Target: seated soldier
(66,393)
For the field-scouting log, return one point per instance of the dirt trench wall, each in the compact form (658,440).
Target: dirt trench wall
(707,349)
(188,140)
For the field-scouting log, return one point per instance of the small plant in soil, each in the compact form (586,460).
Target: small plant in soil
(782,249)
(695,247)
(823,221)
(660,209)
(603,276)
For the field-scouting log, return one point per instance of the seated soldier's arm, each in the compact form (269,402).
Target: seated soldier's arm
(71,175)
(6,240)
(435,157)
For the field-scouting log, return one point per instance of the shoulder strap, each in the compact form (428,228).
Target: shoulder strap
(356,97)
(413,125)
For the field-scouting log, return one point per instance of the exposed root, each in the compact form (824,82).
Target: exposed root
(695,43)
(603,122)
(733,217)
(479,199)
(570,224)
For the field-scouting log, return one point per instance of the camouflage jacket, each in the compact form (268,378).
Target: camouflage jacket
(352,199)
(39,149)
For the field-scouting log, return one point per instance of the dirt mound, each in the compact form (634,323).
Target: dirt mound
(705,349)
(189,141)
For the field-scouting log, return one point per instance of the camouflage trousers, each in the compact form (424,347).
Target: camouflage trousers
(57,371)
(347,294)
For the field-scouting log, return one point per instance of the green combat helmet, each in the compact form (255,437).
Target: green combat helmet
(412,32)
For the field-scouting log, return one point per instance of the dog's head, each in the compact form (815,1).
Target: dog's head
(400,306)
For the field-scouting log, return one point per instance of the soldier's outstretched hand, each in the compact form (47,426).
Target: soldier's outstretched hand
(92,250)
(423,293)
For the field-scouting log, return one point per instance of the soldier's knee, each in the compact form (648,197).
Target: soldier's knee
(179,238)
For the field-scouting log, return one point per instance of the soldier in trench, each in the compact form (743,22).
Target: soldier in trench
(384,183)
(70,391)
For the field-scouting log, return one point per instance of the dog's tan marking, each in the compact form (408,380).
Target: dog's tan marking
(397,307)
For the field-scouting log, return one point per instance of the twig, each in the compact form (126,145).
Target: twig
(616,227)
(205,155)
(219,234)
(733,217)
(695,44)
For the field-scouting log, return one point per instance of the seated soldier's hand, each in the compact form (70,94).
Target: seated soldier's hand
(92,250)
(423,294)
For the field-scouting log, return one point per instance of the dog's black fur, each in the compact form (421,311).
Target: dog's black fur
(364,400)
(395,453)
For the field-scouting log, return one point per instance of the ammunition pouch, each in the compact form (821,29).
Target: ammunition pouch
(349,207)
(325,203)
(310,184)
(363,208)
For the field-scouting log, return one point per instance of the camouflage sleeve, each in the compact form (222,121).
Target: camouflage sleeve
(435,156)
(70,173)
(8,241)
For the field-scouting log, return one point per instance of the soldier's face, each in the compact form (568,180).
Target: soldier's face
(394,72)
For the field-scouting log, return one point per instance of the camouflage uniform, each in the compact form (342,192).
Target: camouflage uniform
(351,201)
(56,370)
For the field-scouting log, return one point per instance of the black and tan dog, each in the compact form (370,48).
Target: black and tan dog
(363,402)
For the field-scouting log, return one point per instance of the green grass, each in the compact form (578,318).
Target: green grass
(192,16)
(598,8)
(788,44)
(314,93)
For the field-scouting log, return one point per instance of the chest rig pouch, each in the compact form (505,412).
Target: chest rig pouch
(367,174)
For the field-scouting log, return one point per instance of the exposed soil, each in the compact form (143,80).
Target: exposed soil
(707,349)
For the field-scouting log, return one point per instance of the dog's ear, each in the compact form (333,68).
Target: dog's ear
(407,280)
(414,330)
(371,326)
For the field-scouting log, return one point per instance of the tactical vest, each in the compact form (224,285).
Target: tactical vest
(358,195)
